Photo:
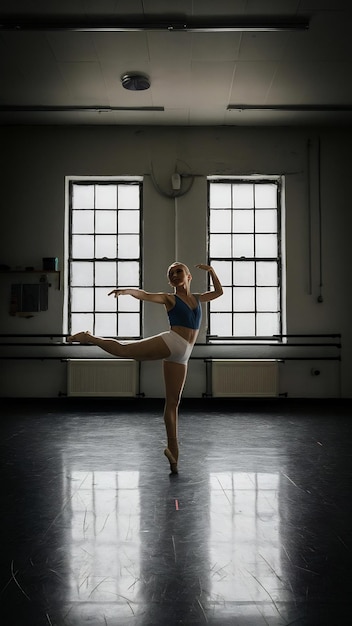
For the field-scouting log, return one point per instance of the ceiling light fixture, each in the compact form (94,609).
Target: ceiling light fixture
(135,81)
(305,108)
(162,23)
(38,108)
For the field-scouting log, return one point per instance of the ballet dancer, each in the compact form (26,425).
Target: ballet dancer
(173,347)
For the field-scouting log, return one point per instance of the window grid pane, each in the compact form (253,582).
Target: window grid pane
(105,252)
(244,238)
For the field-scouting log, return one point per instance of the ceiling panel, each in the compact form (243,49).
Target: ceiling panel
(263,46)
(211,82)
(252,82)
(215,46)
(85,82)
(71,46)
(129,48)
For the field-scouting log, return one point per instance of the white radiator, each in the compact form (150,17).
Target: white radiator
(102,377)
(247,378)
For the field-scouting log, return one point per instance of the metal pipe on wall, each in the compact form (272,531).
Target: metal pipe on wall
(176,228)
(320,296)
(309,217)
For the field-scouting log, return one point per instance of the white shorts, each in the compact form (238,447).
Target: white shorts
(180,349)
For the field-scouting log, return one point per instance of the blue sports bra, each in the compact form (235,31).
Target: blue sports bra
(182,314)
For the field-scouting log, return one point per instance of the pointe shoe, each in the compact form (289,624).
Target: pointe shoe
(172,461)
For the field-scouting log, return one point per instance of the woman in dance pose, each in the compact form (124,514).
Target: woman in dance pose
(174,346)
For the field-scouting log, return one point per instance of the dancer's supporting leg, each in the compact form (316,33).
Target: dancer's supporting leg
(174,377)
(153,348)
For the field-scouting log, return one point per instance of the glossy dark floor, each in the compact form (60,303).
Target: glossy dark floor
(255,530)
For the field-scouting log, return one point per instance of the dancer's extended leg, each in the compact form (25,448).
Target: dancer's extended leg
(150,349)
(174,377)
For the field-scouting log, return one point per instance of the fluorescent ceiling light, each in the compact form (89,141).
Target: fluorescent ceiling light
(290,107)
(171,24)
(33,108)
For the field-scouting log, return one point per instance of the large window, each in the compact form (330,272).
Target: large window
(244,248)
(104,252)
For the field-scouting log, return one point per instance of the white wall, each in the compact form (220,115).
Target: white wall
(36,160)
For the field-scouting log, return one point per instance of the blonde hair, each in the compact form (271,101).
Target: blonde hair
(177,263)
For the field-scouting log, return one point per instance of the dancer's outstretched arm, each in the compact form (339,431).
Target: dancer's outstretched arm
(141,294)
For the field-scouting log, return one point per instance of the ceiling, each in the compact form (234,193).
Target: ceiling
(61,62)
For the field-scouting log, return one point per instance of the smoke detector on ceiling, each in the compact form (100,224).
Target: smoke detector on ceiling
(135,81)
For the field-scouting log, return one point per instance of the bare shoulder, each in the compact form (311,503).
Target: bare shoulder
(169,300)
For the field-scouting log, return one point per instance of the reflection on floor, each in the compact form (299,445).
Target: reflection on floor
(254,531)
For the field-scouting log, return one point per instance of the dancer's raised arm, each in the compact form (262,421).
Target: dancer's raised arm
(213,294)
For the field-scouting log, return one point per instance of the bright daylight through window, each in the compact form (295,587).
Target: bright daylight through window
(244,248)
(105,252)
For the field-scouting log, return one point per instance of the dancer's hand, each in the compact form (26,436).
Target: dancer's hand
(202,266)
(83,337)
(116,292)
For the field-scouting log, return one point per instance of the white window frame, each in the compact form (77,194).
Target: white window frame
(69,181)
(279,259)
